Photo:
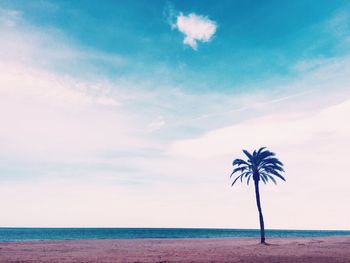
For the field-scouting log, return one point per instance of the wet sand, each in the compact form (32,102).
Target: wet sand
(320,250)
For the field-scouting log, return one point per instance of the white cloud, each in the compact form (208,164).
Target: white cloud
(49,116)
(22,81)
(277,130)
(195,28)
(9,18)
(157,124)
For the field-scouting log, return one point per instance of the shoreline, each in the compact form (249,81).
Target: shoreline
(27,234)
(171,238)
(247,249)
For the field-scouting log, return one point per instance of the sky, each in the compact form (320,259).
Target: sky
(129,113)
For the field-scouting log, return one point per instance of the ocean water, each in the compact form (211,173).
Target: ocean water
(32,234)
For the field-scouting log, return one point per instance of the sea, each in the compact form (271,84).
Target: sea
(8,234)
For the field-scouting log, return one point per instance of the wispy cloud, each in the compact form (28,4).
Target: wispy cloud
(52,116)
(274,130)
(9,18)
(157,124)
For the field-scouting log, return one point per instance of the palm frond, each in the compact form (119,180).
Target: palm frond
(272,179)
(272,160)
(250,157)
(263,178)
(276,168)
(261,149)
(235,180)
(250,176)
(264,155)
(239,162)
(274,172)
(239,169)
(247,173)
(269,167)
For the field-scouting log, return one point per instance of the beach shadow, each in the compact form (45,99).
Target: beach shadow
(269,244)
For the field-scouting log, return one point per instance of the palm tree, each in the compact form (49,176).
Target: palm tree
(261,165)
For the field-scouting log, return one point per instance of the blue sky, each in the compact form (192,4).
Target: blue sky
(254,41)
(142,105)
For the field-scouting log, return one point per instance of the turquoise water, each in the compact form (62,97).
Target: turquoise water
(30,234)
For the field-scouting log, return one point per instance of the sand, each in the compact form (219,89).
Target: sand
(320,249)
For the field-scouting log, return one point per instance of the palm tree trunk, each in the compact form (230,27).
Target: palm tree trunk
(261,218)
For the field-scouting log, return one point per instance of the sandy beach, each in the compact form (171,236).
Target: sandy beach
(320,249)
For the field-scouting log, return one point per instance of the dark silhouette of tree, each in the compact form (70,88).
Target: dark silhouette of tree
(261,165)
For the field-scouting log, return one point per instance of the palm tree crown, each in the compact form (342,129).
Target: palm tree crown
(261,165)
